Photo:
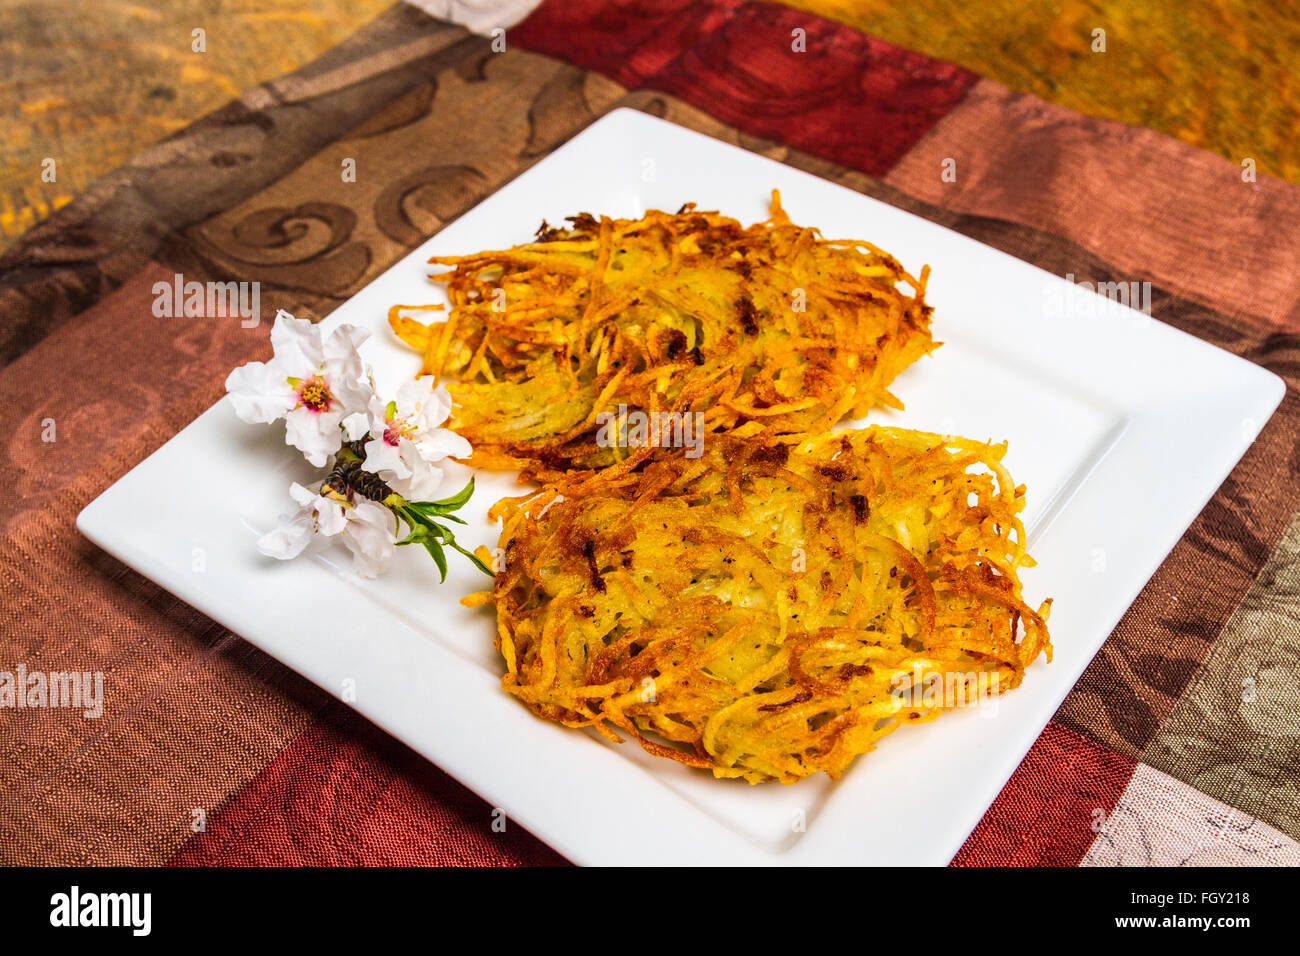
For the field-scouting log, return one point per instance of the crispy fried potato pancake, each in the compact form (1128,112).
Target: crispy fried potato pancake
(769,331)
(769,612)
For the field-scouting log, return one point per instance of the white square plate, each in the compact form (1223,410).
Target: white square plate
(1121,427)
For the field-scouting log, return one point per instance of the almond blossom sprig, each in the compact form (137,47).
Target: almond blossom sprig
(383,458)
(316,384)
(406,442)
(364,526)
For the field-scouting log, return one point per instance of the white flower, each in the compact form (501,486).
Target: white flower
(365,526)
(406,442)
(316,384)
(370,537)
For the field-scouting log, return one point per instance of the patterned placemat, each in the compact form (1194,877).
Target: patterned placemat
(1178,744)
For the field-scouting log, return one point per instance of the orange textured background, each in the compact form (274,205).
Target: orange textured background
(90,83)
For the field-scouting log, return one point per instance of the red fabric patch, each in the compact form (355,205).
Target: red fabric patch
(345,793)
(848,97)
(627,42)
(1044,815)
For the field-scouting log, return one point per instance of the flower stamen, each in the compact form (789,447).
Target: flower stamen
(314,393)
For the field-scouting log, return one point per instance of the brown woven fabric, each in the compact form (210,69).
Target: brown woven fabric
(190,712)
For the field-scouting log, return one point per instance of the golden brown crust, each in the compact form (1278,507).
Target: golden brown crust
(765,612)
(769,331)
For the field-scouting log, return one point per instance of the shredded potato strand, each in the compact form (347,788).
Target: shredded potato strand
(769,330)
(768,612)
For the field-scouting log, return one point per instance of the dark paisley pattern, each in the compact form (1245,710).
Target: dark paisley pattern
(443,191)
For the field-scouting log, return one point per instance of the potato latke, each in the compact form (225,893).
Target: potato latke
(771,332)
(769,612)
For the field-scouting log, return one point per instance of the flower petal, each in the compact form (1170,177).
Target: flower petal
(423,484)
(304,496)
(290,539)
(331,516)
(442,443)
(343,368)
(341,345)
(260,392)
(369,536)
(316,434)
(427,406)
(385,460)
(297,345)
(356,425)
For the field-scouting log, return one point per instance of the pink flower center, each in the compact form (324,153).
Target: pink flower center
(314,393)
(395,429)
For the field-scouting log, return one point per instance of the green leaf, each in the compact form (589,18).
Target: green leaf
(474,558)
(427,511)
(439,558)
(456,500)
(434,537)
